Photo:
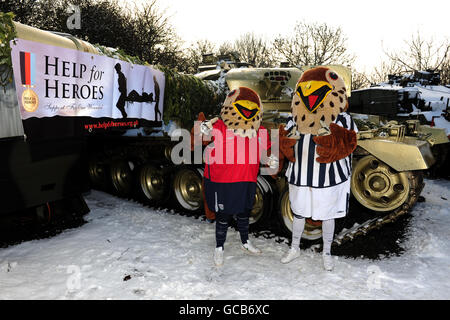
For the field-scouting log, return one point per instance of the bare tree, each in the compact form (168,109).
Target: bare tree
(421,54)
(314,44)
(359,80)
(196,51)
(156,39)
(225,48)
(445,71)
(145,32)
(254,50)
(382,72)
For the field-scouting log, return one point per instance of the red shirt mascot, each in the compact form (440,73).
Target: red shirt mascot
(232,164)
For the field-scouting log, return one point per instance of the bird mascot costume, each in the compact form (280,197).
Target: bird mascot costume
(232,164)
(318,140)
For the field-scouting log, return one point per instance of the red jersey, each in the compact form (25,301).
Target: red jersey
(232,158)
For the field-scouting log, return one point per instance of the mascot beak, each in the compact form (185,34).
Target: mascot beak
(313,93)
(247,109)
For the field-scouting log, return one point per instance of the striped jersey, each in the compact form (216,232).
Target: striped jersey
(306,171)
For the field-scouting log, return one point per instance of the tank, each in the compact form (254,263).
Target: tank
(43,176)
(420,102)
(49,158)
(388,164)
(137,162)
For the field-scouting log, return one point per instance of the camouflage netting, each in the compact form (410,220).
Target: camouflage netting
(7,33)
(185,95)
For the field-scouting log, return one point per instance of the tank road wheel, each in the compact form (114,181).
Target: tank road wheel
(379,187)
(153,184)
(188,188)
(263,203)
(98,174)
(121,173)
(313,229)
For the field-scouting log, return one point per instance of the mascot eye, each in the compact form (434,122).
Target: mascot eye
(333,76)
(231,93)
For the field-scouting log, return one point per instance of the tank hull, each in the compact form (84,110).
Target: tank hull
(34,174)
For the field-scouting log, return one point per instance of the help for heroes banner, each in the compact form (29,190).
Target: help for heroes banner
(53,81)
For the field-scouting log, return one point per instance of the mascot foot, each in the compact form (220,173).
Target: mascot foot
(328,263)
(250,249)
(292,254)
(218,256)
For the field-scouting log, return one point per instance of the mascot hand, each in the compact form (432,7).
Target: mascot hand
(293,133)
(273,162)
(196,128)
(287,145)
(335,146)
(206,126)
(195,142)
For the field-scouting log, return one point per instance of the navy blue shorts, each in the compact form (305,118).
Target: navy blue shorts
(230,198)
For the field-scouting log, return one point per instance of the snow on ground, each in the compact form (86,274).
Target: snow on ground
(163,255)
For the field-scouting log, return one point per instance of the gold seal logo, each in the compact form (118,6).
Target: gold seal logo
(30,100)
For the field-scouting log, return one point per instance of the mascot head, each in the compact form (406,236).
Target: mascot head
(242,112)
(320,95)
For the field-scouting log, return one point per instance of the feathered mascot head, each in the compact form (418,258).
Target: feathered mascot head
(320,95)
(242,112)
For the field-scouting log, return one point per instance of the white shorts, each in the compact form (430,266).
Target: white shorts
(320,203)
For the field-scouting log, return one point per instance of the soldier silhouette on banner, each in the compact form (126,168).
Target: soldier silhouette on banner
(157,92)
(134,96)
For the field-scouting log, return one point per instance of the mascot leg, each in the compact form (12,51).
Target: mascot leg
(328,235)
(298,226)
(243,221)
(243,226)
(297,230)
(222,221)
(210,215)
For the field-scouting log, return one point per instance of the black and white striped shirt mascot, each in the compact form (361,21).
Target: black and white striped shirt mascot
(319,171)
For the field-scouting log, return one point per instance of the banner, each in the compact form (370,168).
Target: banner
(54,81)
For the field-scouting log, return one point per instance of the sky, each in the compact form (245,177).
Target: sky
(369,26)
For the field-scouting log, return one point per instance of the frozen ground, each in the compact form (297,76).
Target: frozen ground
(127,251)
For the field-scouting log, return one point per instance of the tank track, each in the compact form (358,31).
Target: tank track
(361,229)
(377,222)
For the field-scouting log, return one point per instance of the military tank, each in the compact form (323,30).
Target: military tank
(388,164)
(43,175)
(137,162)
(417,100)
(50,152)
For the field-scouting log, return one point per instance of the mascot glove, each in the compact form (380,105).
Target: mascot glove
(293,134)
(335,146)
(273,162)
(287,145)
(206,126)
